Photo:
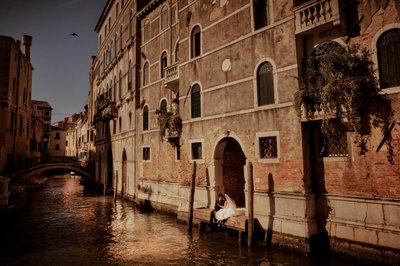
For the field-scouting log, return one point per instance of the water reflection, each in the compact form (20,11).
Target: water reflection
(67,225)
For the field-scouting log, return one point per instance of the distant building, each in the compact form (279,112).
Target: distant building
(15,102)
(42,110)
(69,125)
(57,138)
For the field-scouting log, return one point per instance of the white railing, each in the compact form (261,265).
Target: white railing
(313,14)
(171,73)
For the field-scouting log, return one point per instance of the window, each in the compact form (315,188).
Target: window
(195,101)
(388,47)
(120,37)
(196,150)
(261,13)
(267,149)
(57,147)
(146,75)
(115,89)
(120,124)
(131,23)
(14,86)
(163,63)
(265,84)
(146,31)
(117,10)
(57,135)
(130,72)
(177,52)
(146,118)
(146,153)
(164,18)
(195,42)
(114,126)
(66,143)
(120,85)
(163,107)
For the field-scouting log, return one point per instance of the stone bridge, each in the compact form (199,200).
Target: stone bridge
(55,164)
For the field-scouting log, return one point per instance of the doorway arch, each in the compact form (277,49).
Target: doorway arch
(123,169)
(229,160)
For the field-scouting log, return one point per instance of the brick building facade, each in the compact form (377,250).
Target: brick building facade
(213,82)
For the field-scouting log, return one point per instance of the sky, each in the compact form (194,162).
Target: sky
(61,61)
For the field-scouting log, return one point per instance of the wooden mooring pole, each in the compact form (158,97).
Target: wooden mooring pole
(250,187)
(116,186)
(191,199)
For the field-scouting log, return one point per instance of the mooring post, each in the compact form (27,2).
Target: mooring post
(191,199)
(250,187)
(116,186)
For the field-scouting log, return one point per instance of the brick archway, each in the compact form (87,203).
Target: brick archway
(229,173)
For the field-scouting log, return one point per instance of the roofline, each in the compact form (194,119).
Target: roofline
(103,15)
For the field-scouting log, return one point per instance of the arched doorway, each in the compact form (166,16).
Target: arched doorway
(123,169)
(229,178)
(110,171)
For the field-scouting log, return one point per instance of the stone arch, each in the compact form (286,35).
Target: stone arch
(229,161)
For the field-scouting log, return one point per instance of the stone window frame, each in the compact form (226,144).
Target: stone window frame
(163,58)
(146,123)
(275,81)
(164,21)
(163,100)
(268,14)
(191,142)
(146,73)
(176,51)
(193,45)
(374,52)
(191,101)
(260,135)
(147,147)
(146,31)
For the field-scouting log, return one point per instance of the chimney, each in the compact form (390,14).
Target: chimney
(27,42)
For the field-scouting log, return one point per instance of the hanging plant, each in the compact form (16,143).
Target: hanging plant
(337,85)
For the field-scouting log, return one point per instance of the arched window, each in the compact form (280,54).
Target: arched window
(177,52)
(388,47)
(195,42)
(120,85)
(164,18)
(163,63)
(130,70)
(131,23)
(146,31)
(115,89)
(265,84)
(146,75)
(146,118)
(120,37)
(163,107)
(195,101)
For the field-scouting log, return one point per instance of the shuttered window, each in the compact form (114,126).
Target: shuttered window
(389,58)
(146,118)
(195,101)
(265,84)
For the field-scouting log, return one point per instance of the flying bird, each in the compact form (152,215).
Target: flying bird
(74,34)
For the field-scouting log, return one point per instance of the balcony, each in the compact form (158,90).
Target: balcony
(314,14)
(172,77)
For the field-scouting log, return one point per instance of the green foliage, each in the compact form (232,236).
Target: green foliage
(338,84)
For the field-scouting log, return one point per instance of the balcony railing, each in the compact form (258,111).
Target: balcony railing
(172,77)
(313,14)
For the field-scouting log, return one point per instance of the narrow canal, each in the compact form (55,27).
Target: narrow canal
(65,225)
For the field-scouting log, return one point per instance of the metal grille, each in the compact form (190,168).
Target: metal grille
(196,151)
(268,147)
(335,145)
(326,47)
(146,154)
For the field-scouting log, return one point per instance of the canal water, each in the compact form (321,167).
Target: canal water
(64,224)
